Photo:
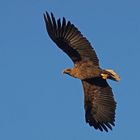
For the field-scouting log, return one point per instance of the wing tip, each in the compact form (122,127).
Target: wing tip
(100,125)
(45,14)
(104,126)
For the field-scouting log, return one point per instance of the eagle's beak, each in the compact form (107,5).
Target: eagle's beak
(63,72)
(66,71)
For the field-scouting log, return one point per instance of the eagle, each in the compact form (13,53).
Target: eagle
(99,103)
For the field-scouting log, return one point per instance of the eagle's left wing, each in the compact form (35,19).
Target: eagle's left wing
(70,40)
(99,104)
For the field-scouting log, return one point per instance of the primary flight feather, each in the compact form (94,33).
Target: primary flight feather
(99,102)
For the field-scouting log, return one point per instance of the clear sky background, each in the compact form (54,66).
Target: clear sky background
(37,102)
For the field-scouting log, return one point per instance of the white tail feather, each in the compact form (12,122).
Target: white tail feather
(114,74)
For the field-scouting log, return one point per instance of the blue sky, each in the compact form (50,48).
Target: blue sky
(37,102)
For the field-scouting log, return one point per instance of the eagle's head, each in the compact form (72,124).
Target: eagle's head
(69,72)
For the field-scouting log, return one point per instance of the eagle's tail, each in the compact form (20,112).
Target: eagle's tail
(113,75)
(110,74)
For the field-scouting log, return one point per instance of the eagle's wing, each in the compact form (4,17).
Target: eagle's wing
(99,104)
(70,40)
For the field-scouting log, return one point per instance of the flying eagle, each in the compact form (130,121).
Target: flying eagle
(99,103)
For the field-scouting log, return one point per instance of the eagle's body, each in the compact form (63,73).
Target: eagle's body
(84,71)
(99,102)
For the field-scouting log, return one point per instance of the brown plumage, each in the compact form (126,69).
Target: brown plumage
(99,102)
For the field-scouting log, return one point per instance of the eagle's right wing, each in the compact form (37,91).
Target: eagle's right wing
(99,104)
(70,40)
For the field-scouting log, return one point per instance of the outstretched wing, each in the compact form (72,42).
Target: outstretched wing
(99,104)
(70,40)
